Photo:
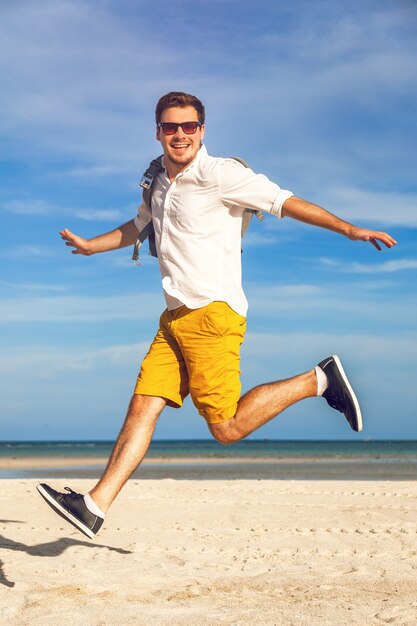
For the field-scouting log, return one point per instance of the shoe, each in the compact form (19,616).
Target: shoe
(71,506)
(339,393)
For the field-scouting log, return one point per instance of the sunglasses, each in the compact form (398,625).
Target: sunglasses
(170,128)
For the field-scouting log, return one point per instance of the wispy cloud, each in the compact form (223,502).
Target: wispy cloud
(99,215)
(26,207)
(254,239)
(76,309)
(293,346)
(47,363)
(385,208)
(337,305)
(33,287)
(387,267)
(91,98)
(96,171)
(42,207)
(28,252)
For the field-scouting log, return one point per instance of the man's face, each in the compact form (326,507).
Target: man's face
(180,149)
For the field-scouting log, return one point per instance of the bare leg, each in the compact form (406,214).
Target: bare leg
(262,403)
(129,449)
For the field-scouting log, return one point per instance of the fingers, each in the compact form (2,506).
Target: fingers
(386,239)
(74,241)
(390,242)
(374,237)
(69,238)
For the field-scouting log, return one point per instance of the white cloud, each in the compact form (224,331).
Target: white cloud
(46,363)
(33,287)
(97,100)
(385,208)
(387,267)
(337,304)
(41,207)
(381,369)
(27,252)
(98,215)
(258,238)
(96,171)
(75,309)
(359,346)
(26,207)
(74,80)
(381,365)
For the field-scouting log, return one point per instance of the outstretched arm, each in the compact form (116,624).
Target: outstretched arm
(310,213)
(124,235)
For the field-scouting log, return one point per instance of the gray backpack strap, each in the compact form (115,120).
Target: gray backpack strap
(147,231)
(155,167)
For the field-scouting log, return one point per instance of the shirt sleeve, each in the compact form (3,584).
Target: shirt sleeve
(143,217)
(240,186)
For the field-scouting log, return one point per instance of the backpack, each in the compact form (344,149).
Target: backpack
(155,167)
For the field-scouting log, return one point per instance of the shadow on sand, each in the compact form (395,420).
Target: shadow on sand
(48,549)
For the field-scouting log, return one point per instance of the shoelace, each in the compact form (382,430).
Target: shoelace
(73,494)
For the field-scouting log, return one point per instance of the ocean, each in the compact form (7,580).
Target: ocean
(250,459)
(209,449)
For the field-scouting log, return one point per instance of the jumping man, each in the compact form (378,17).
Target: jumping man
(196,208)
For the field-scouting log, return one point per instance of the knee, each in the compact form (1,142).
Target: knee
(146,408)
(225,433)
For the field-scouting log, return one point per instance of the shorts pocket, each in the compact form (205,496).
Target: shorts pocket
(216,319)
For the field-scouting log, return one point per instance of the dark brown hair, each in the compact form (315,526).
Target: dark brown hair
(179,99)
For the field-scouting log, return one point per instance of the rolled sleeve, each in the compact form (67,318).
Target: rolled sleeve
(283,195)
(240,186)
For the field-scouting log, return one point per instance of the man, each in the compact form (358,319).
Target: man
(196,208)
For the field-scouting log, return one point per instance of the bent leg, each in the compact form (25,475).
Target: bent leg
(259,405)
(129,449)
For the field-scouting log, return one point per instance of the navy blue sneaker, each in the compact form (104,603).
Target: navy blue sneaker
(71,506)
(339,394)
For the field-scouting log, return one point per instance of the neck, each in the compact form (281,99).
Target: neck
(173,168)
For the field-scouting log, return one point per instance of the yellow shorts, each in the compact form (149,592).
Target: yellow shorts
(196,351)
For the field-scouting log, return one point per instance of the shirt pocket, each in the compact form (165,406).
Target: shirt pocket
(194,212)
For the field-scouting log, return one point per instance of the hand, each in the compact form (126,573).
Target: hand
(81,245)
(373,236)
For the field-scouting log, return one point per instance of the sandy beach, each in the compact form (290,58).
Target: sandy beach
(198,468)
(211,552)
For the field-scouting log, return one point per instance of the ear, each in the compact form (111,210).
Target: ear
(202,131)
(158,133)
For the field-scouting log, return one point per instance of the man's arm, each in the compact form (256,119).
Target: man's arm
(124,235)
(310,213)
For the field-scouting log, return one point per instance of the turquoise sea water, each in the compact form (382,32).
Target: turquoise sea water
(208,449)
(270,459)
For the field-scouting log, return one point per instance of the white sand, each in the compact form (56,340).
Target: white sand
(213,553)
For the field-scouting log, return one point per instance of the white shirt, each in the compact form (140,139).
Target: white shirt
(197,220)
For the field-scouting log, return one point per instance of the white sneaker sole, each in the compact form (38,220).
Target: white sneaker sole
(66,514)
(352,393)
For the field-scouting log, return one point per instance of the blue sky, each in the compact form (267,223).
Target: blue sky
(320,96)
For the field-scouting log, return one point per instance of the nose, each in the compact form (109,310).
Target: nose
(179,132)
